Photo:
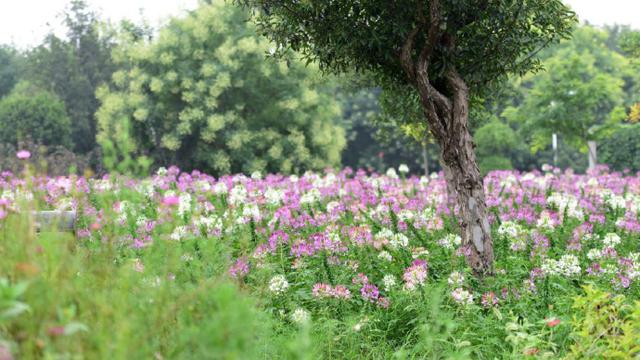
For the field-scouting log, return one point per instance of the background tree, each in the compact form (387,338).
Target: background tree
(622,150)
(580,96)
(9,69)
(74,67)
(203,96)
(374,141)
(445,51)
(30,114)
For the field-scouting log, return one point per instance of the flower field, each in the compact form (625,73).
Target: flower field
(326,265)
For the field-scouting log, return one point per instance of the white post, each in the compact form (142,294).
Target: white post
(425,160)
(593,154)
(554,145)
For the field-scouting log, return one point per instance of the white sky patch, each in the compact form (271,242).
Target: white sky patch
(601,12)
(25,22)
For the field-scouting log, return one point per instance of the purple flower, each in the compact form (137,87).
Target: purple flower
(370,292)
(239,269)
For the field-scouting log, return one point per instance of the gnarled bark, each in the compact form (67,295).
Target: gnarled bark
(459,159)
(447,117)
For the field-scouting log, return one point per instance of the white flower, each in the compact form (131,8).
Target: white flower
(545,221)
(389,281)
(237,195)
(220,188)
(278,284)
(514,232)
(384,255)
(456,279)
(568,266)
(300,316)
(392,173)
(310,197)
(251,211)
(399,241)
(256,175)
(594,254)
(405,215)
(141,221)
(332,206)
(179,233)
(403,168)
(162,171)
(611,240)
(450,241)
(357,327)
(184,204)
(462,296)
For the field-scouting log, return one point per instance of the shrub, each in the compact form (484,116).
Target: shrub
(30,113)
(605,327)
(622,149)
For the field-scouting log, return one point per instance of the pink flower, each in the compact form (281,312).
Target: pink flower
(239,269)
(23,154)
(322,290)
(553,322)
(171,200)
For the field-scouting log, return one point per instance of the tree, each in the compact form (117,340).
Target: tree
(74,67)
(28,113)
(622,150)
(374,141)
(9,69)
(446,52)
(495,140)
(204,96)
(580,97)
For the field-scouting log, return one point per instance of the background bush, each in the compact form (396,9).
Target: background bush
(38,115)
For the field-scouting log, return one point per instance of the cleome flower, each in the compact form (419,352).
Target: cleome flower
(278,284)
(415,275)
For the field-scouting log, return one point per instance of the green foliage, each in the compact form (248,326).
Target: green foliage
(579,96)
(376,142)
(605,326)
(203,95)
(73,68)
(494,162)
(32,114)
(491,38)
(9,69)
(630,43)
(622,150)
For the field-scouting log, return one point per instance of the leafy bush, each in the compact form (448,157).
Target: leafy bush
(203,95)
(52,160)
(605,326)
(32,114)
(622,150)
(495,141)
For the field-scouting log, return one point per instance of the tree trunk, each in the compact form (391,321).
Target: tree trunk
(446,110)
(466,183)
(593,154)
(448,122)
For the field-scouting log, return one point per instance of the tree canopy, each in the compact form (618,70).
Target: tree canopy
(29,113)
(73,68)
(204,96)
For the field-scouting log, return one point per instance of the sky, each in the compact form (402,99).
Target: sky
(25,22)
